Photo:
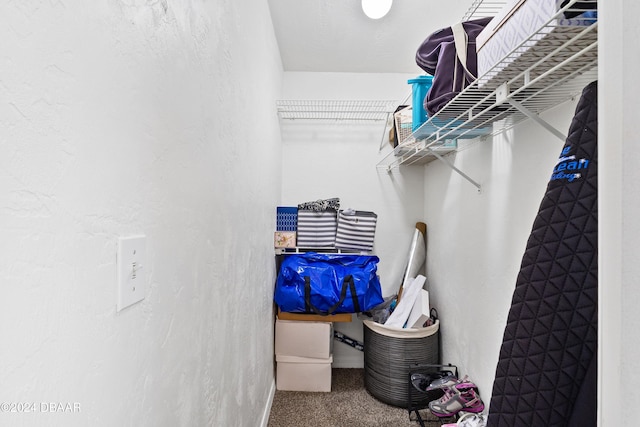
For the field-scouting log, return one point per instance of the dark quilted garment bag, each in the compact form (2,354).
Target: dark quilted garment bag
(546,367)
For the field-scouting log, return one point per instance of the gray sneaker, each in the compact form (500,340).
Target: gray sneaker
(444,382)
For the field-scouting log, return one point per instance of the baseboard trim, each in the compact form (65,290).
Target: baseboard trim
(267,408)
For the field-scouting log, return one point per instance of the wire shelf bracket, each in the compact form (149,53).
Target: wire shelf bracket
(536,118)
(455,169)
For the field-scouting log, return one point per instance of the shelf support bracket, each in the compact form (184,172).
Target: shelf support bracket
(536,118)
(451,165)
(385,135)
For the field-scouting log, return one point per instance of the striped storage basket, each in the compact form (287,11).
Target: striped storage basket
(317,229)
(356,230)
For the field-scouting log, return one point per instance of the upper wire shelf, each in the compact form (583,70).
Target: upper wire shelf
(336,110)
(550,67)
(483,9)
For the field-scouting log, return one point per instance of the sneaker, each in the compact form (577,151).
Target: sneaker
(421,382)
(466,385)
(472,420)
(452,381)
(444,382)
(448,394)
(469,420)
(458,400)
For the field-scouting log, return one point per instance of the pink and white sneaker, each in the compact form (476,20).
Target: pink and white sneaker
(464,399)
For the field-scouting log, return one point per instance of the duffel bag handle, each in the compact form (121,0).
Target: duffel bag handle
(346,283)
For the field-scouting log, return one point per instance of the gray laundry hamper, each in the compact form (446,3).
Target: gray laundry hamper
(389,355)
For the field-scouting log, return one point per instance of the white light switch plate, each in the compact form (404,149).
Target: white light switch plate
(131,270)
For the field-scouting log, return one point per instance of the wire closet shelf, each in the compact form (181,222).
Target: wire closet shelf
(335,110)
(549,67)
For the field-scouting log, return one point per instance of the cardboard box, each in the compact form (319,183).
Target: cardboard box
(284,239)
(304,339)
(303,374)
(305,317)
(523,33)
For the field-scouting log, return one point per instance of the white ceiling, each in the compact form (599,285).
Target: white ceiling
(336,36)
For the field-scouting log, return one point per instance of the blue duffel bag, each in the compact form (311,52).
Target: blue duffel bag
(328,283)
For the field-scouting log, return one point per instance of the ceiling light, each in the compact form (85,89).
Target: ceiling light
(376,9)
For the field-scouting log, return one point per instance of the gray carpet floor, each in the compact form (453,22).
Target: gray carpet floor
(348,404)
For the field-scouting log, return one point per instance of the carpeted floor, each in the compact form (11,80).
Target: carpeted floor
(347,405)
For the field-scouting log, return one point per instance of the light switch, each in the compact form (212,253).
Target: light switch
(131,270)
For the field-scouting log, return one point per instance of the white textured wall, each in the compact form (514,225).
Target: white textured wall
(477,240)
(126,117)
(619,208)
(322,160)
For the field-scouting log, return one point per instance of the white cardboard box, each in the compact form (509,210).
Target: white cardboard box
(304,339)
(523,32)
(303,374)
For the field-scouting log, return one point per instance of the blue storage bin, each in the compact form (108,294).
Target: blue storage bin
(286,218)
(419,89)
